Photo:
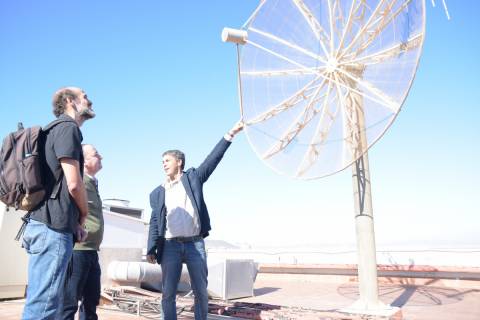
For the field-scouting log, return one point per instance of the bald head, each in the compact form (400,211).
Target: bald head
(93,160)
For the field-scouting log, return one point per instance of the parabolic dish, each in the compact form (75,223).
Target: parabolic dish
(318,75)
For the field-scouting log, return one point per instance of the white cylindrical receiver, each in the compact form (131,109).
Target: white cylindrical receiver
(234,35)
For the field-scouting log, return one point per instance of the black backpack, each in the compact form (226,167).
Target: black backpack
(21,167)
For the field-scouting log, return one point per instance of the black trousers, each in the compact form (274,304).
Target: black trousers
(83,285)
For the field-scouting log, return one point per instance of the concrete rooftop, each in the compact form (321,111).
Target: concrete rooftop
(313,296)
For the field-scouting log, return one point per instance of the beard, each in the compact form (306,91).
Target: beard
(86,114)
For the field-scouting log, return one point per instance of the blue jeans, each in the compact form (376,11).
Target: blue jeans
(49,252)
(83,285)
(194,256)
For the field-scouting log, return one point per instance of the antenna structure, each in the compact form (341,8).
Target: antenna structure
(320,82)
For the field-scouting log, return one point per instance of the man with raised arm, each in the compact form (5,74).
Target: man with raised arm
(180,222)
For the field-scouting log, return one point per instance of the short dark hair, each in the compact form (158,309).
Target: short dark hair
(60,99)
(177,154)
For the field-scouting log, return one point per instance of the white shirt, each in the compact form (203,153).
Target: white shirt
(182,220)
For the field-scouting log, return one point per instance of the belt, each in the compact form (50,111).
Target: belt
(185,239)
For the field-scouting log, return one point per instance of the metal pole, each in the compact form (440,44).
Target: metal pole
(362,197)
(364,226)
(368,303)
(365,234)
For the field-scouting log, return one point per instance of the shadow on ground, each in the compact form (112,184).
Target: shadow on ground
(264,291)
(399,295)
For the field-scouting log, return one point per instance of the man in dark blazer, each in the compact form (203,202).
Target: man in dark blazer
(180,222)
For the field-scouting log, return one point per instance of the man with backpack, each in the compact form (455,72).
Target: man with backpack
(58,221)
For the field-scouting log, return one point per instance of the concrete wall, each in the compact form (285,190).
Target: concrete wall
(348,255)
(122,231)
(14,261)
(123,241)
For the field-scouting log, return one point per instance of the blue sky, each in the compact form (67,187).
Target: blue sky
(160,78)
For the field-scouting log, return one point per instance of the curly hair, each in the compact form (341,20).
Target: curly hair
(60,99)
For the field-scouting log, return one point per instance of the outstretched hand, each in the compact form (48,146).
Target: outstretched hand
(236,128)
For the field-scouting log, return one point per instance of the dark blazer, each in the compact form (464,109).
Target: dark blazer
(193,180)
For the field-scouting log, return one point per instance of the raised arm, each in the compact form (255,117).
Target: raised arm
(213,159)
(237,127)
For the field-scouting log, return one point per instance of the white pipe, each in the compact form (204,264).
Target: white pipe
(128,271)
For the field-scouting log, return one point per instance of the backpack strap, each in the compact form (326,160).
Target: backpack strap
(59,174)
(55,122)
(58,184)
(25,220)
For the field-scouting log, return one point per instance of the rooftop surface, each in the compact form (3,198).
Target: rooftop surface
(312,296)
